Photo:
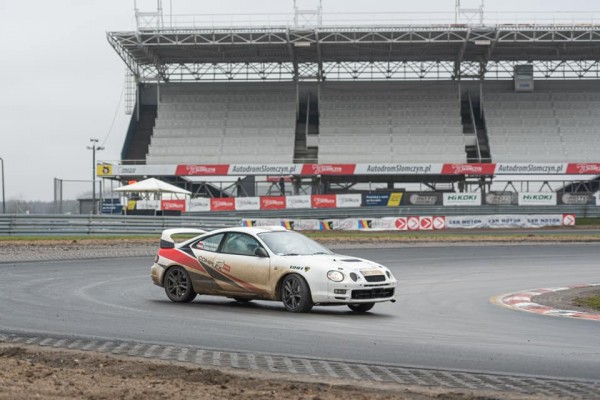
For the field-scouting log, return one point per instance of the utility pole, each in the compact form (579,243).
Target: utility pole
(94,149)
(3,196)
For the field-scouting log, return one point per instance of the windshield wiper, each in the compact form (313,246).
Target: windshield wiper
(320,252)
(291,254)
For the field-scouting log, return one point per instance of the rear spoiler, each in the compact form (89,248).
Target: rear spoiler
(166,240)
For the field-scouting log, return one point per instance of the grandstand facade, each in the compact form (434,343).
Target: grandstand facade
(330,108)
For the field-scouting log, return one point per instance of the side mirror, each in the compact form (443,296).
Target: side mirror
(261,252)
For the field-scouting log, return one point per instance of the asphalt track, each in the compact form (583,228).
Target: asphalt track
(443,317)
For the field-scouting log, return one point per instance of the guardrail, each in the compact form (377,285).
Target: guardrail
(42,225)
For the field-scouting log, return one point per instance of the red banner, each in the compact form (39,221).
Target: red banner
(172,205)
(222,204)
(328,169)
(583,168)
(200,170)
(272,203)
(323,201)
(468,169)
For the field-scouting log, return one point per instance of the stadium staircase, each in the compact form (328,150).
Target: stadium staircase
(138,135)
(307,125)
(478,148)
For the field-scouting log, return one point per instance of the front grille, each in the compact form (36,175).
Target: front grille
(375,278)
(372,293)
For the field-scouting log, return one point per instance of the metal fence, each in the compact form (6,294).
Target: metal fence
(14,225)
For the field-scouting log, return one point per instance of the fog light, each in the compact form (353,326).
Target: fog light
(339,291)
(353,276)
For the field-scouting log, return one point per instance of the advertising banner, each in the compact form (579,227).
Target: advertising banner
(111,206)
(398,169)
(422,199)
(323,201)
(148,205)
(264,169)
(298,201)
(222,204)
(376,199)
(172,205)
(462,199)
(501,198)
(468,169)
(537,199)
(577,199)
(348,200)
(202,169)
(328,169)
(272,203)
(200,204)
(504,221)
(531,168)
(583,169)
(247,203)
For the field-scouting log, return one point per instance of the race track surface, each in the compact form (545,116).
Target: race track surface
(443,317)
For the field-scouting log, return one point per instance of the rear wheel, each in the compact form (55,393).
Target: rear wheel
(178,285)
(295,294)
(361,308)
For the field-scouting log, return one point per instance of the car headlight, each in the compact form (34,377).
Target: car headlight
(335,276)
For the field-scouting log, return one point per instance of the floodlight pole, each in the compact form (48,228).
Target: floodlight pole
(94,148)
(3,197)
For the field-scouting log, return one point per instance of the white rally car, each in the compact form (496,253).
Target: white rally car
(267,263)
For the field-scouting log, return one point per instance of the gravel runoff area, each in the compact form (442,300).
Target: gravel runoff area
(35,372)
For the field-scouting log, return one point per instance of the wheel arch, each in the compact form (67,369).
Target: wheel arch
(280,282)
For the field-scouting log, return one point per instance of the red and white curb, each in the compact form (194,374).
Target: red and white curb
(521,301)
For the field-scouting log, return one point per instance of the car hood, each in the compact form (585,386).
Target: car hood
(333,261)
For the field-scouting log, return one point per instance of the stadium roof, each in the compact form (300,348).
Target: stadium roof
(180,54)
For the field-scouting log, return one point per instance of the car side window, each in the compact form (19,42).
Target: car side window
(210,243)
(240,244)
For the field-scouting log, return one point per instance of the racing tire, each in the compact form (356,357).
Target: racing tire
(178,285)
(242,299)
(295,294)
(361,308)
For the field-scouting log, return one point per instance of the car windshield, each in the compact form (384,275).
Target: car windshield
(290,243)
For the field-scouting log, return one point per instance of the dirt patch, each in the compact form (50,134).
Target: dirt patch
(28,372)
(564,299)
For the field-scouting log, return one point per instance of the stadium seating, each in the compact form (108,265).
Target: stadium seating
(224,123)
(365,122)
(556,123)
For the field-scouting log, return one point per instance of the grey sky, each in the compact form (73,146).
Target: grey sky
(61,81)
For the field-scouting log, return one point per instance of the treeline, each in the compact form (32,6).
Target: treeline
(40,207)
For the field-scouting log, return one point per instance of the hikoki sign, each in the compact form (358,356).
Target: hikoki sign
(420,223)
(105,169)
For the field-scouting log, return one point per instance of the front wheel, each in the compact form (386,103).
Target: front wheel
(178,285)
(361,308)
(295,294)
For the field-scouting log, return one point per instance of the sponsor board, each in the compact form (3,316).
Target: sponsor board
(531,168)
(577,199)
(247,203)
(426,223)
(348,200)
(104,170)
(537,199)
(202,169)
(503,221)
(328,169)
(148,205)
(469,169)
(583,169)
(398,169)
(222,204)
(143,170)
(462,199)
(401,224)
(323,201)
(376,199)
(298,201)
(111,206)
(272,203)
(200,204)
(439,223)
(413,223)
(422,199)
(501,198)
(264,169)
(172,205)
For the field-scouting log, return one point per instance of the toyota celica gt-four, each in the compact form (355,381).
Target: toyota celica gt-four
(267,263)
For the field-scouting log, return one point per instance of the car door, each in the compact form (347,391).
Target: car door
(241,270)
(205,251)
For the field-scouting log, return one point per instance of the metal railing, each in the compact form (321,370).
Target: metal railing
(63,225)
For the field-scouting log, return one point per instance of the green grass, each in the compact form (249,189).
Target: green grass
(586,221)
(592,302)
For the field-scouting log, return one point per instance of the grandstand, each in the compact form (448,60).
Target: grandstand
(416,96)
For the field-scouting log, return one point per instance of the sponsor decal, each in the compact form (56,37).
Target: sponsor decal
(328,169)
(348,200)
(298,201)
(401,224)
(272,203)
(537,199)
(371,272)
(439,223)
(222,204)
(426,223)
(413,223)
(104,170)
(296,268)
(222,267)
(323,201)
(247,203)
(577,199)
(568,219)
(264,169)
(530,169)
(584,169)
(469,169)
(172,205)
(202,170)
(462,199)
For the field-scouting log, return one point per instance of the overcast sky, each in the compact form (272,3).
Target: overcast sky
(62,83)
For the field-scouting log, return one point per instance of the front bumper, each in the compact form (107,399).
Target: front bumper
(355,293)
(157,272)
